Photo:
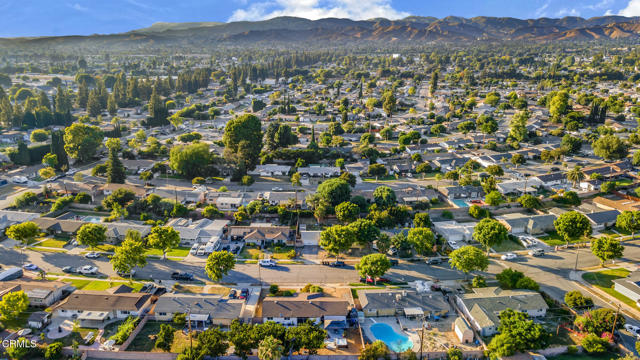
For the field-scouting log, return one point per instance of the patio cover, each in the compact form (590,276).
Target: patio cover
(413,311)
(198,317)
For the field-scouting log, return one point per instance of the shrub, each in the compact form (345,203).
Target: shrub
(592,343)
(310,288)
(273,289)
(179,319)
(479,282)
(125,330)
(447,214)
(61,203)
(82,198)
(291,254)
(197,180)
(572,349)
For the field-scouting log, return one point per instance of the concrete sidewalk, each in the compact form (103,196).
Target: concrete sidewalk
(603,296)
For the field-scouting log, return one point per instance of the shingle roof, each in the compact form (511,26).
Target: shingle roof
(103,301)
(301,306)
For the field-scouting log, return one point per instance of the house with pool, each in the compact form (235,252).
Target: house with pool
(407,303)
(483,307)
(296,310)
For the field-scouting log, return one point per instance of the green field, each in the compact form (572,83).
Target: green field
(177,252)
(90,284)
(603,280)
(53,243)
(507,246)
(553,239)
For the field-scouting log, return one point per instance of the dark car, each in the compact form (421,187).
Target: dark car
(69,269)
(233,294)
(182,276)
(244,293)
(337,264)
(434,260)
(393,262)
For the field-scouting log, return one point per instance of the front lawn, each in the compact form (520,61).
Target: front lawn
(177,252)
(507,246)
(90,284)
(250,252)
(603,280)
(554,239)
(53,243)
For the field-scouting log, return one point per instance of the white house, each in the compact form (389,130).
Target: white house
(94,308)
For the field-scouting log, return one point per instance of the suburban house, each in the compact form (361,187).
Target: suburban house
(454,232)
(203,231)
(40,293)
(552,179)
(519,187)
(226,202)
(93,309)
(276,198)
(291,311)
(483,306)
(58,226)
(621,205)
(263,234)
(601,219)
(271,170)
(462,192)
(629,286)
(406,303)
(320,171)
(140,192)
(518,223)
(204,310)
(116,232)
(8,218)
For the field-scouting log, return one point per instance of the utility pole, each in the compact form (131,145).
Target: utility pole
(615,320)
(575,267)
(190,336)
(422,337)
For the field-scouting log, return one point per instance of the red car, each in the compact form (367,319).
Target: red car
(369,280)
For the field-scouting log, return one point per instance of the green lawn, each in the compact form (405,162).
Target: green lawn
(623,182)
(90,284)
(553,239)
(250,253)
(77,336)
(603,280)
(20,322)
(508,245)
(177,252)
(53,243)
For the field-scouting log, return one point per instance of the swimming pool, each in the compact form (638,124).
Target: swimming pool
(460,203)
(92,219)
(396,342)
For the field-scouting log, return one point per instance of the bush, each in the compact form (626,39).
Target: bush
(179,319)
(125,330)
(309,288)
(291,254)
(479,282)
(576,300)
(197,180)
(61,203)
(572,349)
(82,198)
(447,214)
(25,199)
(53,351)
(594,344)
(273,289)
(164,338)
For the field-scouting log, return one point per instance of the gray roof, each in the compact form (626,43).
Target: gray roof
(631,282)
(303,305)
(485,304)
(384,299)
(603,217)
(213,305)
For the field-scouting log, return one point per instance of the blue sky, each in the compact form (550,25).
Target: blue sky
(83,17)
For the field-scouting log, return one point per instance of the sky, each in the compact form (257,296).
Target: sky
(85,17)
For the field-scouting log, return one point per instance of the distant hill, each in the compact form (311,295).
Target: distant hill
(333,31)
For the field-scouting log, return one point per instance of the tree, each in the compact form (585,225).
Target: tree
(365,230)
(495,170)
(493,198)
(13,304)
(347,212)
(594,344)
(337,239)
(518,159)
(384,197)
(487,124)
(467,259)
(575,175)
(513,279)
(373,266)
(190,160)
(243,141)
(211,212)
(164,238)
(247,180)
(240,335)
(47,172)
(575,299)
(529,201)
(572,225)
(53,351)
(606,248)
(39,135)
(375,351)
(50,160)
(559,104)
(116,173)
(270,348)
(309,336)
(489,232)
(610,147)
(164,337)
(219,263)
(478,212)
(422,240)
(389,102)
(572,144)
(629,221)
(16,350)
(91,235)
(517,333)
(608,186)
(82,141)
(212,342)
(129,254)
(466,126)
(422,220)
(599,321)
(334,191)
(377,170)
(454,353)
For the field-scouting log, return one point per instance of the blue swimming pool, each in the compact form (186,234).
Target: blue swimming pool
(92,219)
(396,342)
(460,203)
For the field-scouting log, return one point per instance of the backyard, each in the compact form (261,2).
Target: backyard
(603,280)
(145,340)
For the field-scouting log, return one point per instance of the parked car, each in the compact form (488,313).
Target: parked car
(276,188)
(635,330)
(337,264)
(126,274)
(182,276)
(88,270)
(267,262)
(508,256)
(536,252)
(233,294)
(31,267)
(392,251)
(434,260)
(244,293)
(369,280)
(200,250)
(194,249)
(69,269)
(393,262)
(92,255)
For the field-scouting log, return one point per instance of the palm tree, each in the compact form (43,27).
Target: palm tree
(575,175)
(270,348)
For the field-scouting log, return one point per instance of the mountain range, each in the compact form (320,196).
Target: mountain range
(413,29)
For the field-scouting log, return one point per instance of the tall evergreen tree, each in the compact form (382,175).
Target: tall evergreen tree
(57,148)
(93,104)
(83,95)
(115,169)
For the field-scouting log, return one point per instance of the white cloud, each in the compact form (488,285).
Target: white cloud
(317,9)
(602,4)
(632,9)
(78,7)
(542,10)
(567,12)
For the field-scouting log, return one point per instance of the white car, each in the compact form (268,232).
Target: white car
(635,330)
(276,188)
(508,256)
(88,270)
(72,171)
(194,249)
(200,250)
(92,255)
(267,262)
